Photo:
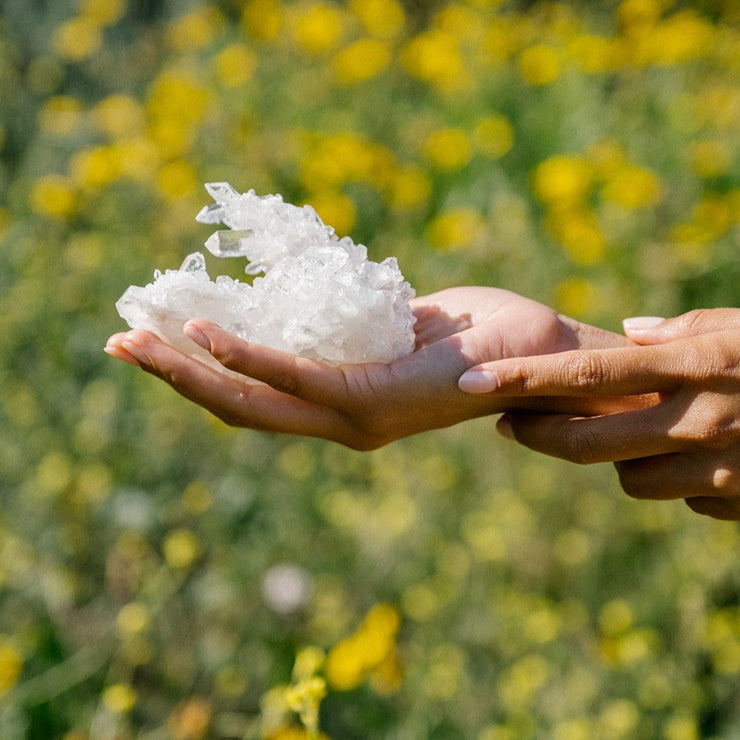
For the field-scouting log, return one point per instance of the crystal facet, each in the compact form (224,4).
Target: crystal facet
(319,297)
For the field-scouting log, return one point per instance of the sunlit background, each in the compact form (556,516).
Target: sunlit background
(165,577)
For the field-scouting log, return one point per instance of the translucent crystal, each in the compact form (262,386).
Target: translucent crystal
(319,297)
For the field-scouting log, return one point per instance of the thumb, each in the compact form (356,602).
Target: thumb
(656,330)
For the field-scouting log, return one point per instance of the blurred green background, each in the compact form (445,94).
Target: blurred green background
(165,577)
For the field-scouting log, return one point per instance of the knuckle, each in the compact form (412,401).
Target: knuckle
(520,378)
(725,481)
(587,371)
(711,361)
(715,428)
(284,382)
(695,321)
(227,355)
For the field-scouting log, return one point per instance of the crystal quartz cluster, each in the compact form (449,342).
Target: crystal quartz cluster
(319,296)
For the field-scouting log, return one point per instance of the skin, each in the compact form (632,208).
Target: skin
(365,406)
(684,445)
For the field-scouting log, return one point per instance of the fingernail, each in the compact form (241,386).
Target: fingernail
(197,336)
(478,381)
(136,351)
(504,428)
(642,323)
(121,354)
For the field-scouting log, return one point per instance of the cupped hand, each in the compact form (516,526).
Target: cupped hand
(686,445)
(365,406)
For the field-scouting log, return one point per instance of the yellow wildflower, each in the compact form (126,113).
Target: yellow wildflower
(434,57)
(493,136)
(351,660)
(304,698)
(519,683)
(176,94)
(594,54)
(576,297)
(137,158)
(120,698)
(11,664)
(104,12)
(61,115)
(171,137)
(681,727)
(94,483)
(562,179)
(181,548)
(360,61)
(383,19)
(680,38)
(448,149)
(194,30)
(456,228)
(54,195)
(709,158)
(710,218)
(344,665)
(497,44)
(638,14)
(318,27)
(94,167)
(578,233)
(616,617)
(605,157)
(197,498)
(307,662)
(77,39)
(336,209)
(633,187)
(618,719)
(540,65)
(580,728)
(262,19)
(118,115)
(462,22)
(411,186)
(345,157)
(235,65)
(133,618)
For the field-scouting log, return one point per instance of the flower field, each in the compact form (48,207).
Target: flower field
(166,577)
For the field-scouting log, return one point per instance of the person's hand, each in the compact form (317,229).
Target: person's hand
(365,406)
(687,445)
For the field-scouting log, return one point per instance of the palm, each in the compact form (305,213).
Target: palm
(367,405)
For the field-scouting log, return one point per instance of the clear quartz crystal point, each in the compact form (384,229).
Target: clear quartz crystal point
(195,262)
(229,243)
(319,297)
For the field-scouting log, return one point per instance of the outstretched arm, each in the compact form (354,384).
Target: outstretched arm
(367,405)
(686,445)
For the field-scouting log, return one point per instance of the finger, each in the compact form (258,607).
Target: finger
(237,402)
(674,476)
(717,508)
(655,330)
(619,371)
(611,372)
(115,348)
(585,440)
(304,378)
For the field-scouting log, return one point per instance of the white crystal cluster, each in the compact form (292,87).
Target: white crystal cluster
(319,297)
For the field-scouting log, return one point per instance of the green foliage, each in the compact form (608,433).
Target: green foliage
(449,585)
